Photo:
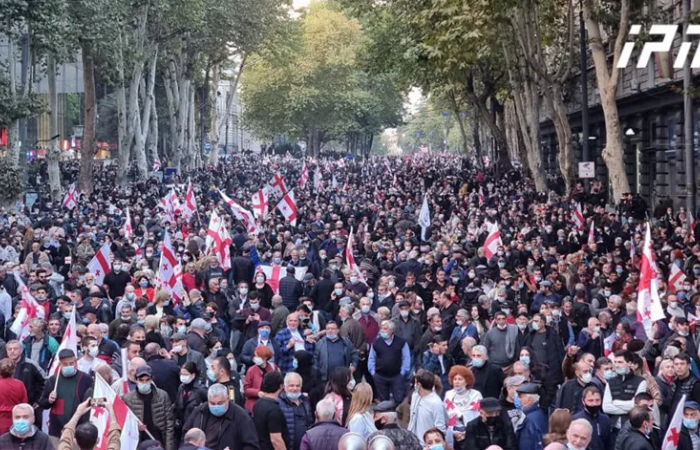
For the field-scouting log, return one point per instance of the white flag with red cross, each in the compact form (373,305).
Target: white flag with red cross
(70,201)
(69,341)
(676,278)
(241,214)
(156,165)
(170,270)
(318,180)
(288,207)
(608,344)
(190,205)
(304,176)
(673,433)
(99,265)
(171,205)
(218,242)
(648,303)
(577,217)
(128,229)
(277,184)
(482,199)
(30,309)
(591,234)
(350,258)
(99,416)
(493,241)
(274,273)
(261,203)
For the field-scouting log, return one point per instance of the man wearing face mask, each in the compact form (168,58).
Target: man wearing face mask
(601,439)
(621,390)
(181,353)
(225,424)
(63,398)
(535,425)
(247,319)
(220,372)
(262,338)
(569,395)
(641,425)
(23,433)
(385,419)
(490,428)
(690,436)
(117,279)
(39,346)
(502,341)
(153,408)
(290,289)
(126,317)
(548,347)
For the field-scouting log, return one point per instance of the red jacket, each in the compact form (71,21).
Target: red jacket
(12,392)
(253,383)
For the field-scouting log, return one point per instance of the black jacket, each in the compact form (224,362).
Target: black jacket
(477,436)
(290,290)
(166,375)
(237,428)
(488,379)
(243,269)
(29,373)
(555,354)
(634,440)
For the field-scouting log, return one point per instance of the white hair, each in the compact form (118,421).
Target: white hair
(481,349)
(25,406)
(584,424)
(325,409)
(217,390)
(291,375)
(390,324)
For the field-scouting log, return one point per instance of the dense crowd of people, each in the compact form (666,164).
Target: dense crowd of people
(430,345)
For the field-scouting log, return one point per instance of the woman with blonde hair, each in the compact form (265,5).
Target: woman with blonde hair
(161,305)
(152,326)
(360,420)
(559,422)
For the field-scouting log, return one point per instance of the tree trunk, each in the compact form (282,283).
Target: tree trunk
(476,137)
(193,149)
(613,153)
(499,135)
(142,120)
(212,107)
(54,152)
(13,139)
(562,126)
(87,150)
(153,135)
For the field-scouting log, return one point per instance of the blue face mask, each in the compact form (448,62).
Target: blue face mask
(331,337)
(217,410)
(621,372)
(211,375)
(264,334)
(461,390)
(68,371)
(67,315)
(207,327)
(21,426)
(144,388)
(144,284)
(141,322)
(518,403)
(477,362)
(436,447)
(525,360)
(690,424)
(384,335)
(295,364)
(293,396)
(182,329)
(608,374)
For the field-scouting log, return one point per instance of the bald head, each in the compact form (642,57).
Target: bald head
(151,349)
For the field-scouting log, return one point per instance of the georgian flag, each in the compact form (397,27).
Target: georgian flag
(350,258)
(261,203)
(577,217)
(288,207)
(591,234)
(304,176)
(171,205)
(673,433)
(218,242)
(70,201)
(241,214)
(424,217)
(99,416)
(318,180)
(482,199)
(128,229)
(190,205)
(648,303)
(156,165)
(278,186)
(273,274)
(99,265)
(169,270)
(676,279)
(493,241)
(30,309)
